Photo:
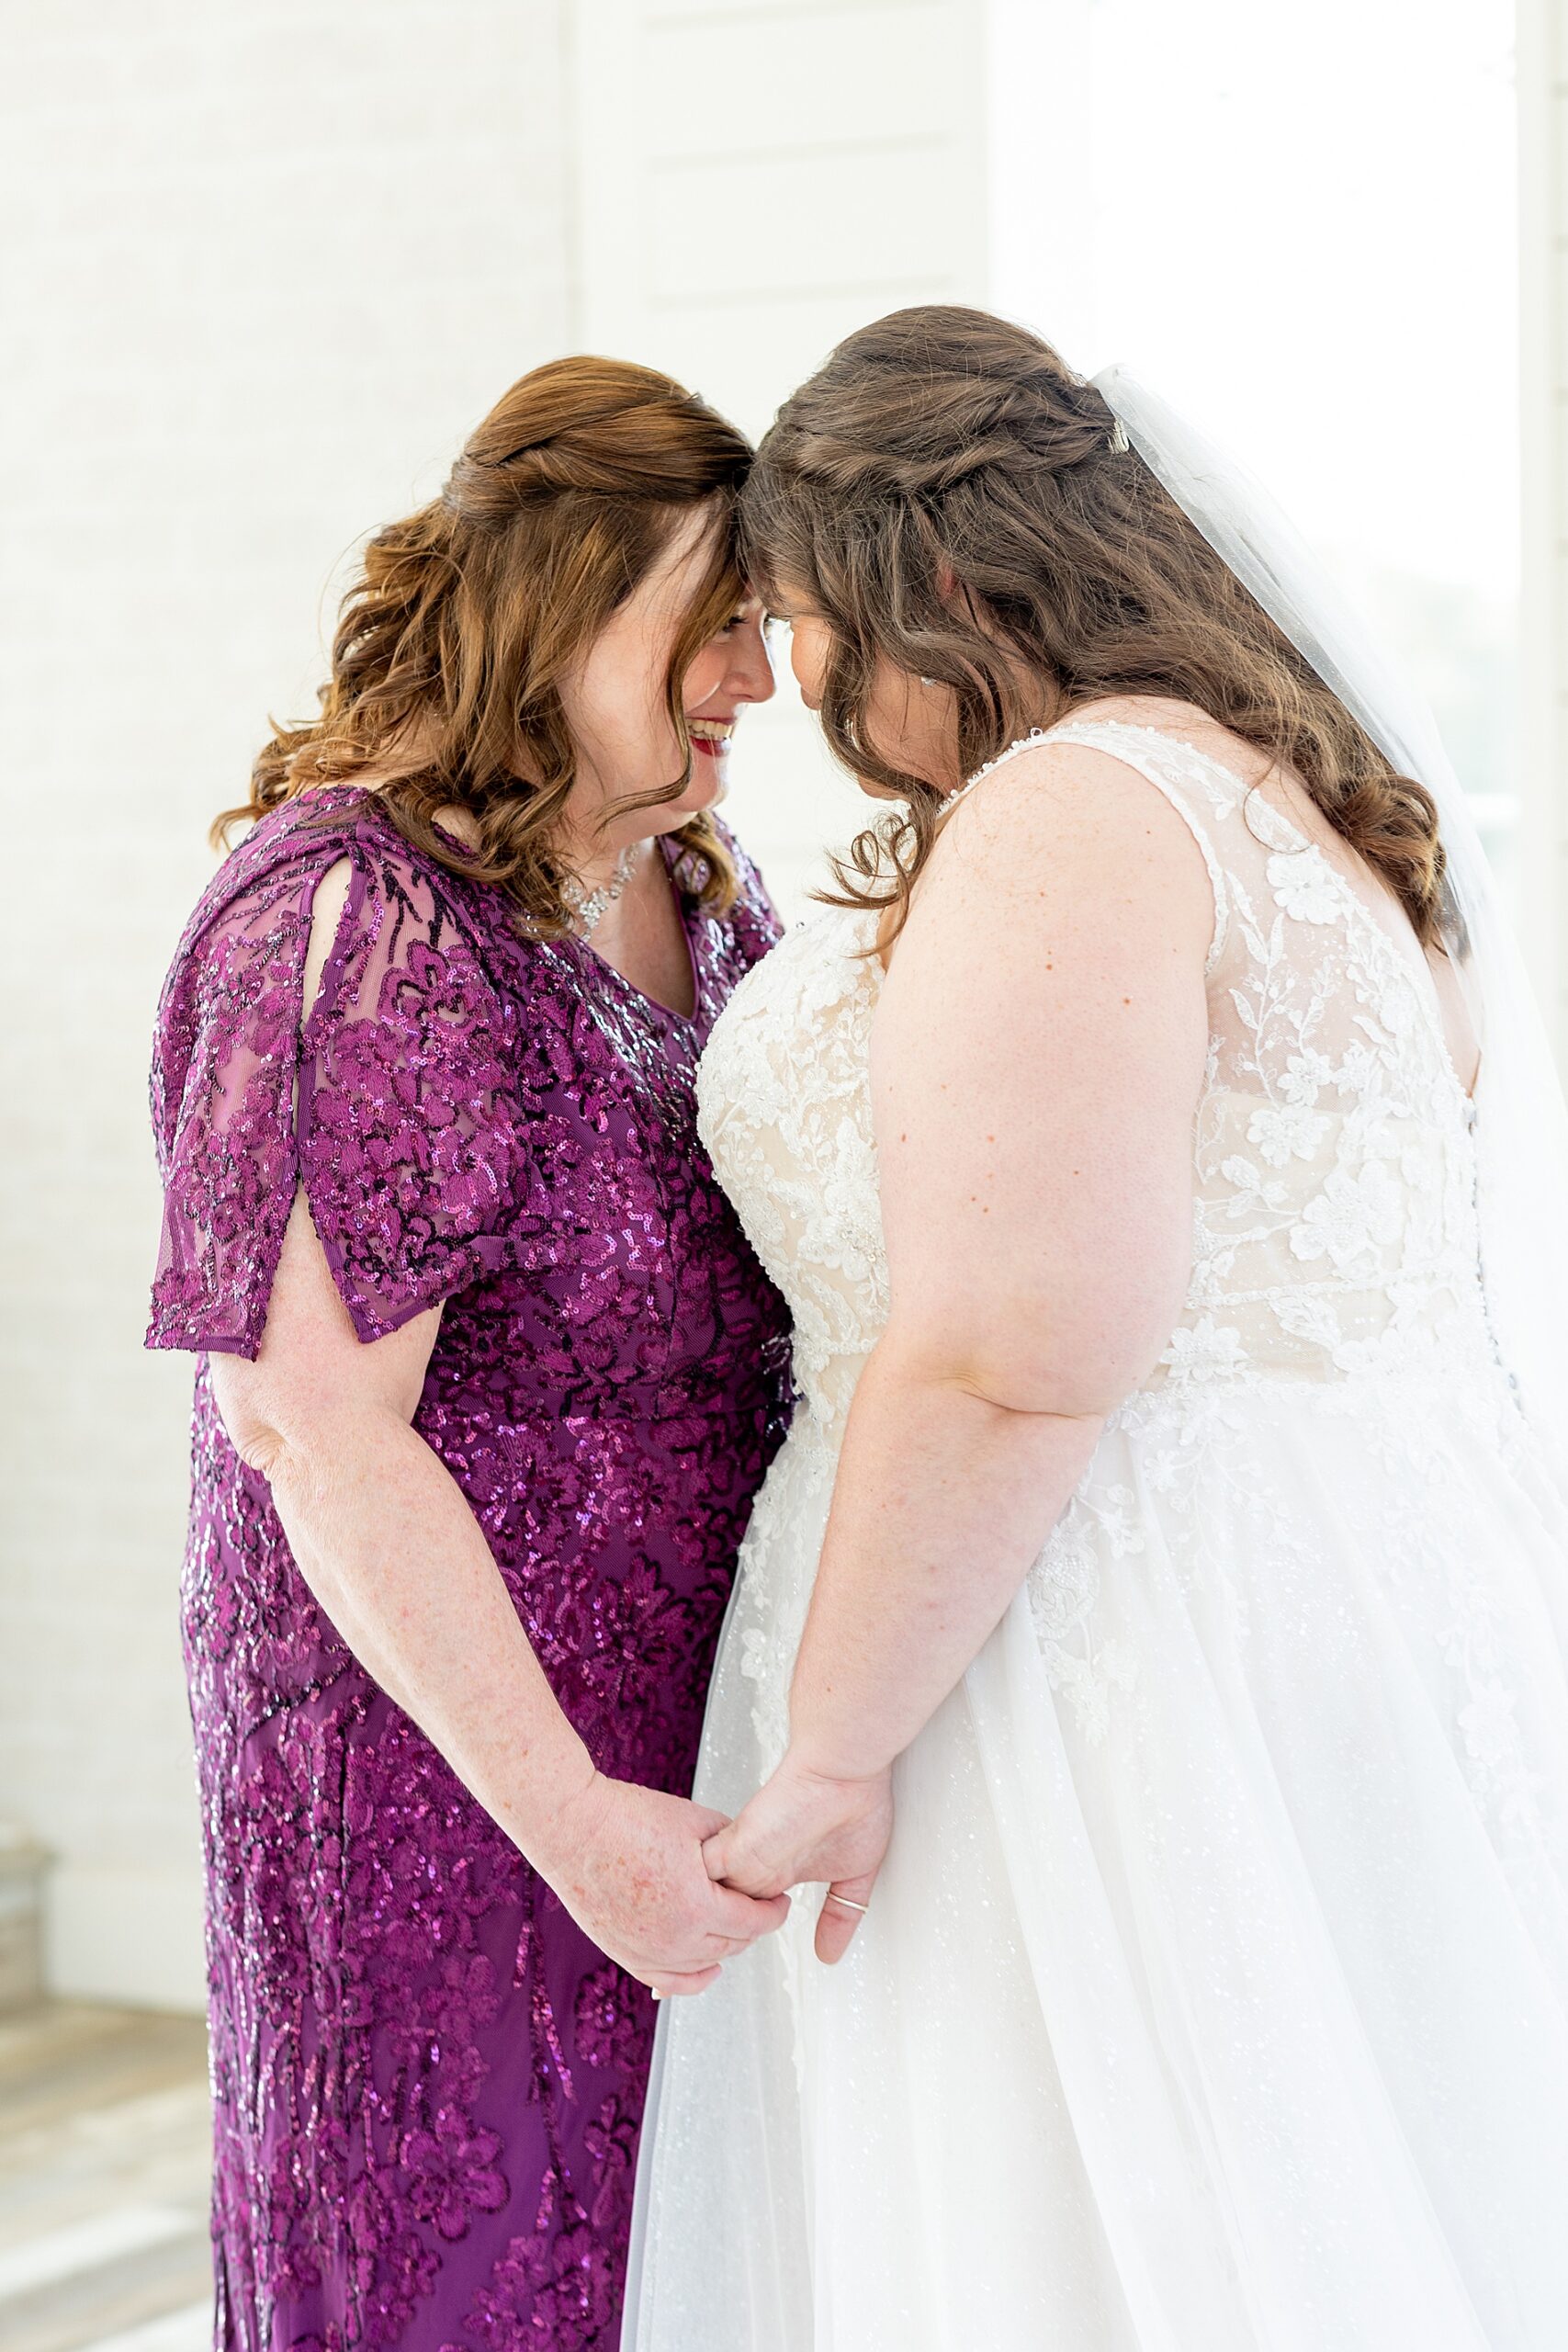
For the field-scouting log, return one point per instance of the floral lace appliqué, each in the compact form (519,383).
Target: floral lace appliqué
(1335,1247)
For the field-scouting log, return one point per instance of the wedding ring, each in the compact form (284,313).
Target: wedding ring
(849,1902)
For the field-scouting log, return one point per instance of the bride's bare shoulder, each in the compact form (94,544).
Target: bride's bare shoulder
(1054,788)
(1065,832)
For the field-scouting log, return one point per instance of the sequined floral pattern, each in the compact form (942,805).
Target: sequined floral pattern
(428,2083)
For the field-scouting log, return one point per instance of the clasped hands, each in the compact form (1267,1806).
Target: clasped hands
(802,1825)
(672,1890)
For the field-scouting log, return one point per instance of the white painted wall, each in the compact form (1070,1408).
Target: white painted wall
(753,179)
(267,263)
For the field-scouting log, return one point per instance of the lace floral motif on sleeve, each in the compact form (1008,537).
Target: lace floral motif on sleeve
(395,1113)
(222,1110)
(412,1141)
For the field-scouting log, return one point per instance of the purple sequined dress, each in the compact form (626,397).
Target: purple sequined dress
(428,2083)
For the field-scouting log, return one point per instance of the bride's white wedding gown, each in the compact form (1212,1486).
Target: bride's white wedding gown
(1212,1997)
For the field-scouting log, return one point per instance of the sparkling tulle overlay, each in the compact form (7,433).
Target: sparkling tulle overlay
(428,2083)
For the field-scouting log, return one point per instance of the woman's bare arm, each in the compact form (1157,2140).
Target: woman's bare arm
(387,1544)
(1038,1057)
(386,1541)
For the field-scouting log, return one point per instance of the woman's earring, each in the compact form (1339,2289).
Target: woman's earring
(927,682)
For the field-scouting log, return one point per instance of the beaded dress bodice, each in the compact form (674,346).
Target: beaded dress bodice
(1334,1217)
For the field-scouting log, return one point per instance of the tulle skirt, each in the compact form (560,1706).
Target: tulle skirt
(1214,1994)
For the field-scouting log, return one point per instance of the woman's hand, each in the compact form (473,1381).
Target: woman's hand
(628,1864)
(366,1506)
(804,1826)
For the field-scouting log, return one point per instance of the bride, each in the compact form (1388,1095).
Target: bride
(1154,1630)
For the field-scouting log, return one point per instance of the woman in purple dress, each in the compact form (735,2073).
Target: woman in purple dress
(487,1376)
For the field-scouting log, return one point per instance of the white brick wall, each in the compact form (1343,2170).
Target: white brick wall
(267,263)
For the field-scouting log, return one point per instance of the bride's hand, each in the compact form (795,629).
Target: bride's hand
(804,1826)
(628,1864)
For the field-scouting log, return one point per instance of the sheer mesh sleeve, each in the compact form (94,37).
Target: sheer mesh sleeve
(393,1108)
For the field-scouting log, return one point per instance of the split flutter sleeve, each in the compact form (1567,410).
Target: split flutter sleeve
(392,1104)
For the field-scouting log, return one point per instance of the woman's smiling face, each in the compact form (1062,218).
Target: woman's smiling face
(615,698)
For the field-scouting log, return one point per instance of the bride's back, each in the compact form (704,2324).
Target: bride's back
(1334,1228)
(1287,796)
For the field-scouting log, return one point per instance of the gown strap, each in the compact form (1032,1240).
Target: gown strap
(1184,777)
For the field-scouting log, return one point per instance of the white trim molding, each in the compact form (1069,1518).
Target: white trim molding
(1542,68)
(752,181)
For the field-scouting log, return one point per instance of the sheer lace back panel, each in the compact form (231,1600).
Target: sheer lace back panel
(1334,1227)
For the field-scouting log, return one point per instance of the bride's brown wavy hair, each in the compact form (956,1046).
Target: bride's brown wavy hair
(953,501)
(454,638)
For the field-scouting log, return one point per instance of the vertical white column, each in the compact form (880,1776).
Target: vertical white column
(1048,125)
(1543,307)
(752,181)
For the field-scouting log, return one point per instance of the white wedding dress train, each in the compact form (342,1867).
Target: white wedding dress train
(1214,1994)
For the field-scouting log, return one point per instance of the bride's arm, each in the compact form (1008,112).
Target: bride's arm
(1037,1061)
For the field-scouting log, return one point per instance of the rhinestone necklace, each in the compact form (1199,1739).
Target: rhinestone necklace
(590,907)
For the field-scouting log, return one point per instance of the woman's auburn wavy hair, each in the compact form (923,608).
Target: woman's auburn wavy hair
(954,501)
(451,641)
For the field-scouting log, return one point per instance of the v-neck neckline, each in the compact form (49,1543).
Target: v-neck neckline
(594,967)
(599,966)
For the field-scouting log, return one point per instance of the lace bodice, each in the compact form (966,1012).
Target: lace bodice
(1228,1881)
(1334,1213)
